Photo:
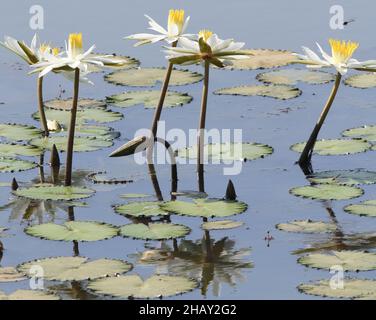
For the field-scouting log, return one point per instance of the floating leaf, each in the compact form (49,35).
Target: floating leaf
(221,225)
(263,58)
(344,177)
(366,132)
(307,226)
(81,144)
(127,63)
(134,286)
(147,77)
(12,150)
(362,81)
(10,274)
(141,209)
(149,99)
(327,192)
(274,91)
(208,208)
(73,231)
(18,132)
(193,194)
(75,268)
(335,147)
(154,231)
(229,151)
(54,193)
(348,260)
(352,289)
(66,104)
(99,132)
(14,165)
(101,177)
(29,295)
(365,208)
(134,195)
(293,76)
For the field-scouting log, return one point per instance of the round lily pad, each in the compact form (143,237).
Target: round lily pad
(126,63)
(149,99)
(81,144)
(344,177)
(365,208)
(52,192)
(141,209)
(14,165)
(221,225)
(19,132)
(208,208)
(75,268)
(154,231)
(327,192)
(73,231)
(100,132)
(229,151)
(147,77)
(134,195)
(348,260)
(10,274)
(307,226)
(29,295)
(362,81)
(365,132)
(12,150)
(293,76)
(281,92)
(103,178)
(133,286)
(263,59)
(352,289)
(335,147)
(66,104)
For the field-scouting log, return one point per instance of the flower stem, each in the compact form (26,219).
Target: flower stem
(200,138)
(42,114)
(305,157)
(72,125)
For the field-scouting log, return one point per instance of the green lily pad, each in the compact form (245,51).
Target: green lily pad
(327,192)
(348,260)
(307,226)
(10,274)
(352,289)
(154,231)
(364,208)
(367,133)
(66,104)
(141,209)
(54,193)
(29,295)
(293,76)
(133,286)
(18,132)
(281,92)
(229,151)
(81,144)
(208,208)
(75,268)
(99,132)
(73,231)
(149,99)
(14,165)
(221,225)
(263,59)
(134,195)
(335,147)
(127,63)
(362,81)
(103,178)
(99,115)
(344,177)
(147,77)
(12,150)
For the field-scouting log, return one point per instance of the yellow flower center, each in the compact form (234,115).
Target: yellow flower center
(176,17)
(44,47)
(55,51)
(75,43)
(342,50)
(205,34)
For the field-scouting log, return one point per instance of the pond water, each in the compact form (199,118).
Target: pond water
(263,184)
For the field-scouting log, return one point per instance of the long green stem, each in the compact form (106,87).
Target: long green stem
(200,138)
(72,125)
(305,157)
(42,114)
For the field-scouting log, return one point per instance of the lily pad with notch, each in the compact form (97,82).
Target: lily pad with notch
(154,231)
(293,76)
(141,209)
(327,192)
(51,192)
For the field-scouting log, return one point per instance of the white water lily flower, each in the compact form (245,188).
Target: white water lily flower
(176,27)
(209,47)
(54,125)
(341,58)
(74,57)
